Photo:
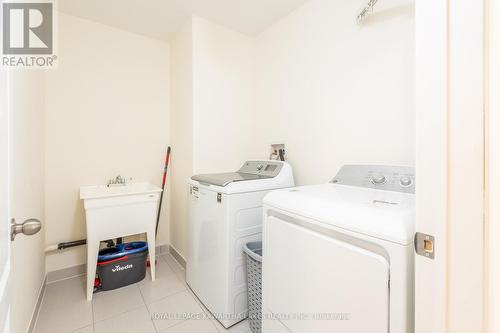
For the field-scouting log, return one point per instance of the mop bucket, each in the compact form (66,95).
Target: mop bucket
(122,265)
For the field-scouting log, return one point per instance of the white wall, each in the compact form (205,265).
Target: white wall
(314,80)
(335,92)
(107,114)
(332,91)
(27,192)
(182,131)
(212,108)
(223,97)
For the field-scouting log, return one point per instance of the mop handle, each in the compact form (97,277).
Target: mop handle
(167,160)
(165,169)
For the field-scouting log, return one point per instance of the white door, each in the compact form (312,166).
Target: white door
(22,262)
(450,165)
(26,179)
(5,255)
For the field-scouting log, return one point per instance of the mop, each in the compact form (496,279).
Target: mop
(164,180)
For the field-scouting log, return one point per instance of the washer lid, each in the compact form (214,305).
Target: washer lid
(224,179)
(382,214)
(251,170)
(252,176)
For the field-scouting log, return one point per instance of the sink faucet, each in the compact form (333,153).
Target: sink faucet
(118,181)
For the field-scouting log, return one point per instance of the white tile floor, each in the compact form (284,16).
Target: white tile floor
(159,306)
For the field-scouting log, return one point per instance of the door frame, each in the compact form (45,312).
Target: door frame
(450,98)
(431,61)
(492,292)
(5,270)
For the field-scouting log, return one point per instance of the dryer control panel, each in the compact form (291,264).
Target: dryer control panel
(380,177)
(268,169)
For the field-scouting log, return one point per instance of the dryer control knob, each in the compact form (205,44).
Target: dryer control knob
(260,167)
(405,181)
(379,179)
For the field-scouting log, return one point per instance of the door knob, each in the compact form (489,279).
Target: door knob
(28,227)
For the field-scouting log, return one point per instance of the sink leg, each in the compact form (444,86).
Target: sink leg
(152,252)
(92,252)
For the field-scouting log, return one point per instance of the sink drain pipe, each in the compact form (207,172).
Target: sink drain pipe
(65,245)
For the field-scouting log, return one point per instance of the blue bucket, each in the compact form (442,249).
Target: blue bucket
(121,250)
(134,247)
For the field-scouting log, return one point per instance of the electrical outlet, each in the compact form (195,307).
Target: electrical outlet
(275,148)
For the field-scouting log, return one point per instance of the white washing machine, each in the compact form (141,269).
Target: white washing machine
(338,257)
(225,212)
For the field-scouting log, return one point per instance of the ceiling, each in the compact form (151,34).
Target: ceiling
(160,19)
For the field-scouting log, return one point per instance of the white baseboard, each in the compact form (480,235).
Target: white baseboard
(177,256)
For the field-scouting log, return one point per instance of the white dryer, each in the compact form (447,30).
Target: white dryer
(225,212)
(338,257)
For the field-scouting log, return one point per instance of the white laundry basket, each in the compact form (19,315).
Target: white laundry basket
(253,253)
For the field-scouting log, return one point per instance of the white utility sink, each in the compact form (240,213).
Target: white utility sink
(103,191)
(118,211)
